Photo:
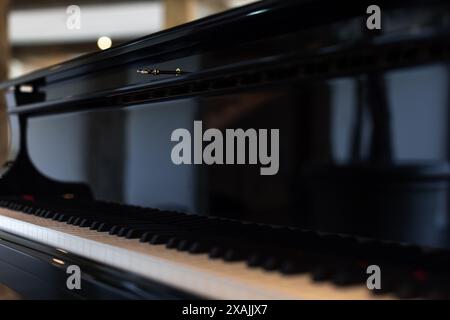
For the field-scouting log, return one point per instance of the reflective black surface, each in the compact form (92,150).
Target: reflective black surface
(363,119)
(331,174)
(38,272)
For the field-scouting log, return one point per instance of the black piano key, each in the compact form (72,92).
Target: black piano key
(77,221)
(271,263)
(198,247)
(145,229)
(43,213)
(94,225)
(16,207)
(159,239)
(348,272)
(71,220)
(57,216)
(49,214)
(85,223)
(123,231)
(27,210)
(172,243)
(184,245)
(321,273)
(146,236)
(347,278)
(134,234)
(294,267)
(233,255)
(114,230)
(63,218)
(255,260)
(104,227)
(135,231)
(216,252)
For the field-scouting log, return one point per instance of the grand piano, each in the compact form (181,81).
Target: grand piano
(123,162)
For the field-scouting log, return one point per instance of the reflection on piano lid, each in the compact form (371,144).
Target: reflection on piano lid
(363,157)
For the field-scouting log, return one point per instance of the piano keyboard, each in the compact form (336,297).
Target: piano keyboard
(210,257)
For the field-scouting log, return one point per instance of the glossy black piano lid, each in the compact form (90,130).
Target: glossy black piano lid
(124,155)
(360,152)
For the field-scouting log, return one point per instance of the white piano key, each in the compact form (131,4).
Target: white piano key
(193,273)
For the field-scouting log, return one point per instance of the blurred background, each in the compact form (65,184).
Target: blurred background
(37,34)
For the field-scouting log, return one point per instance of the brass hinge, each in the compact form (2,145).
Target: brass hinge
(157,72)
